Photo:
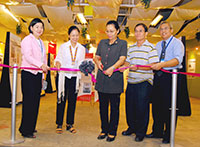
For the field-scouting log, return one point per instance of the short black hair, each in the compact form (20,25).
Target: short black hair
(143,25)
(115,23)
(166,22)
(73,28)
(33,22)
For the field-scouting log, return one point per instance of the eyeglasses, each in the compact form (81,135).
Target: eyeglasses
(165,28)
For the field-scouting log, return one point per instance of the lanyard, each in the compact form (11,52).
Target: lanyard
(168,43)
(73,58)
(162,56)
(41,46)
(42,50)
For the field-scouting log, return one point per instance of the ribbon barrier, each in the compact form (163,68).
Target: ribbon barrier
(174,93)
(93,78)
(52,69)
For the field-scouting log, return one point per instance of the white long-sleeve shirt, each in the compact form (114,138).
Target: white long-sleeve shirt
(64,57)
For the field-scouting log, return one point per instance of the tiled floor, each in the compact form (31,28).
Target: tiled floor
(87,124)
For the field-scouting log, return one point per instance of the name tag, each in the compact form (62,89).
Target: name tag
(162,60)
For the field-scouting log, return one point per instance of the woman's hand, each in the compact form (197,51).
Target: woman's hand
(109,71)
(57,65)
(44,68)
(100,65)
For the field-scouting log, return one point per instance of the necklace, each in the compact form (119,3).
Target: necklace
(73,58)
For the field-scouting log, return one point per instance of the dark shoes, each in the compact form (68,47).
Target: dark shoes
(139,138)
(110,139)
(102,136)
(152,135)
(127,132)
(165,141)
(28,136)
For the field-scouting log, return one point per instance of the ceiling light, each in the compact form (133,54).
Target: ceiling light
(156,20)
(7,11)
(81,18)
(12,3)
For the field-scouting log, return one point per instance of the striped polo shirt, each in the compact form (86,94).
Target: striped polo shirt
(143,55)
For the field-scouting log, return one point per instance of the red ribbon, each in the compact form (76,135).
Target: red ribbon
(183,73)
(93,78)
(52,69)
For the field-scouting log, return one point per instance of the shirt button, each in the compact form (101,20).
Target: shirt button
(108,48)
(106,55)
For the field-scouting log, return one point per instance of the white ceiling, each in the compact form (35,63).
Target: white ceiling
(59,17)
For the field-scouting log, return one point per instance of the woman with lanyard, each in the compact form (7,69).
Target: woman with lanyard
(111,54)
(70,55)
(33,56)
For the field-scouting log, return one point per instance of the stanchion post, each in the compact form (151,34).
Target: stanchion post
(173,108)
(14,94)
(13,106)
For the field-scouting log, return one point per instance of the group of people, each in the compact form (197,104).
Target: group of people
(143,83)
(112,53)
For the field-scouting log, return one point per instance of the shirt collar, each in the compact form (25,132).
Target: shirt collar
(146,42)
(116,41)
(168,39)
(71,44)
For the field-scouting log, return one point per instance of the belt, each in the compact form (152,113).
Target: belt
(160,72)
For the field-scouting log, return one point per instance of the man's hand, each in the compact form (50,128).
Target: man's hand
(157,66)
(134,67)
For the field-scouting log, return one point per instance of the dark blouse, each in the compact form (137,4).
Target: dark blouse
(110,54)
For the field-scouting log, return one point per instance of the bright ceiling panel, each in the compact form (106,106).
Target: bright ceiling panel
(60,17)
(105,12)
(194,4)
(143,14)
(161,3)
(108,3)
(25,10)
(191,29)
(183,14)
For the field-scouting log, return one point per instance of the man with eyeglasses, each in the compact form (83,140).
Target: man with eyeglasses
(171,52)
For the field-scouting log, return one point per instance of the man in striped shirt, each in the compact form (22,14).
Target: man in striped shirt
(140,81)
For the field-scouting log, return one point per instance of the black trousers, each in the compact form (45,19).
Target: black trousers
(71,95)
(161,104)
(31,89)
(109,126)
(137,107)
